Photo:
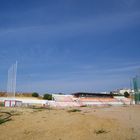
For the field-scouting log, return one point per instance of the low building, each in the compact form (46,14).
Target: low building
(12,103)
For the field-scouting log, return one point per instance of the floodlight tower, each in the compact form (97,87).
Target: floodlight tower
(15,76)
(11,83)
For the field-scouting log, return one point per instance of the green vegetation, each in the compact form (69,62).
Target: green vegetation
(3,94)
(111,94)
(74,110)
(4,117)
(38,109)
(1,104)
(47,96)
(100,131)
(4,120)
(35,94)
(126,94)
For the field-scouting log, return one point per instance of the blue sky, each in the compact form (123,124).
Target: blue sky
(70,45)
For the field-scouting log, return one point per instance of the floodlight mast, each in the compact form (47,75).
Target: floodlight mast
(8,82)
(11,83)
(15,76)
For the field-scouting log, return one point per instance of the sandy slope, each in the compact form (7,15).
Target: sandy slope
(119,123)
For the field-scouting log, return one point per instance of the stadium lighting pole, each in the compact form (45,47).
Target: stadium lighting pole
(11,83)
(8,82)
(15,76)
(12,80)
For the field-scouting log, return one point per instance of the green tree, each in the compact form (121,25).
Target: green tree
(47,96)
(111,94)
(126,94)
(35,94)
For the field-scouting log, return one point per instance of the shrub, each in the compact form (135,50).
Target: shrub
(4,117)
(35,94)
(74,110)
(111,94)
(100,131)
(126,94)
(4,120)
(1,103)
(47,96)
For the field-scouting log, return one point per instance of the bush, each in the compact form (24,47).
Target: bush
(4,117)
(47,97)
(35,94)
(111,94)
(100,131)
(126,94)
(74,110)
(1,103)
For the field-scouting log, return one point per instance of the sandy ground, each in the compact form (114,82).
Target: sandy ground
(92,123)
